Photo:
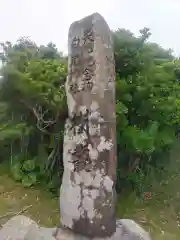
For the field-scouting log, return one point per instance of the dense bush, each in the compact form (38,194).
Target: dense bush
(33,108)
(147,105)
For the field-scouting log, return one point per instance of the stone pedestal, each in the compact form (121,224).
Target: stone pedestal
(126,229)
(23,228)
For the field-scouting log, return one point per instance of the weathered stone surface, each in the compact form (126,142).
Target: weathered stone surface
(23,228)
(40,234)
(132,230)
(51,231)
(87,197)
(126,229)
(17,228)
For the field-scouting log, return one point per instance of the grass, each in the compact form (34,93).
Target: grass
(160,215)
(42,206)
(159,218)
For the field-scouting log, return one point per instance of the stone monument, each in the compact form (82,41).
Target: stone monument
(87,196)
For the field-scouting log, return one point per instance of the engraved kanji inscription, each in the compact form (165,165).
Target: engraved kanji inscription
(80,155)
(88,74)
(76,60)
(73,87)
(76,42)
(88,36)
(81,158)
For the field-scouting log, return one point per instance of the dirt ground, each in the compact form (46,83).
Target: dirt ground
(160,220)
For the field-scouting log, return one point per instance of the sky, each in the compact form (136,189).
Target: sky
(49,20)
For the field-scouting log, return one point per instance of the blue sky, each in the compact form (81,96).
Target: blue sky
(49,20)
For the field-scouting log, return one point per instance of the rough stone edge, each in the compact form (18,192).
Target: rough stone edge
(23,228)
(127,229)
(17,227)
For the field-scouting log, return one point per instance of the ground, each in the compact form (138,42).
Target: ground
(14,198)
(159,213)
(160,220)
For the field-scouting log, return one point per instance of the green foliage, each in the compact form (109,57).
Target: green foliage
(147,104)
(17,172)
(25,171)
(33,108)
(32,99)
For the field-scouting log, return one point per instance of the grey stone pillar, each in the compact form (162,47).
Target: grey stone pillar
(87,196)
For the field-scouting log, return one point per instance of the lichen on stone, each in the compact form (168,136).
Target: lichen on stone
(93,153)
(104,144)
(94,106)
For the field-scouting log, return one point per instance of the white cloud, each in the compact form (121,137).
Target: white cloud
(49,20)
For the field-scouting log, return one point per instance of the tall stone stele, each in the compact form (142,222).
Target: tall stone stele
(87,196)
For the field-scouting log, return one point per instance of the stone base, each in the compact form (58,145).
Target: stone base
(126,230)
(23,228)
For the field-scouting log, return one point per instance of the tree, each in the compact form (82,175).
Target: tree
(33,107)
(33,93)
(147,102)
